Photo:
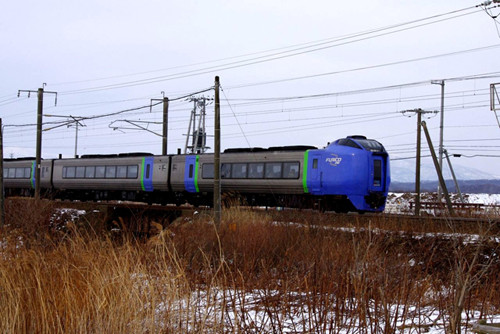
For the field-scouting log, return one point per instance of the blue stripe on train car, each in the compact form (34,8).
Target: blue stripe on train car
(33,170)
(147,174)
(191,174)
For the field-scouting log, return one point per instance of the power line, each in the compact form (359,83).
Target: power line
(363,68)
(298,47)
(278,55)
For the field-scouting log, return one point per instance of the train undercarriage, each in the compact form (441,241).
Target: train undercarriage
(336,203)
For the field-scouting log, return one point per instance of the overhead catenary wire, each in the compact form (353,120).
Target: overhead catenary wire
(363,68)
(300,46)
(313,118)
(194,73)
(279,55)
(62,123)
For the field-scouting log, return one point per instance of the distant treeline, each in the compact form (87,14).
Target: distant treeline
(466,186)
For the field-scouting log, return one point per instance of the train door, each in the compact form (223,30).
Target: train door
(314,173)
(191,174)
(147,174)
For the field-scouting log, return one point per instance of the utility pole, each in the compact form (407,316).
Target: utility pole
(441,131)
(40,92)
(217,187)
(164,136)
(2,203)
(77,122)
(419,113)
(165,127)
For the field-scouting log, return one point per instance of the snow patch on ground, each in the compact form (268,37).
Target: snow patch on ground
(265,311)
(400,203)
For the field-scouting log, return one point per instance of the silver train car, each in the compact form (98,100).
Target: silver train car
(350,174)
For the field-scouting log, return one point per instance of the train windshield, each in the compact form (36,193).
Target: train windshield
(371,145)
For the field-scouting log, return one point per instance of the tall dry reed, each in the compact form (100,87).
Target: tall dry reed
(253,273)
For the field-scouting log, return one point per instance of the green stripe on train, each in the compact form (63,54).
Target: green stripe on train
(196,174)
(143,164)
(304,173)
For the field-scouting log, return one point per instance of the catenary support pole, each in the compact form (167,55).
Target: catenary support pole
(38,158)
(441,135)
(76,139)
(2,202)
(417,166)
(40,92)
(217,165)
(165,127)
(164,135)
(419,113)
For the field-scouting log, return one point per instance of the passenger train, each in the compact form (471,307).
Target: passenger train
(350,174)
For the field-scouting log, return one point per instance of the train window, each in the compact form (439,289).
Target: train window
(90,172)
(290,170)
(19,173)
(100,172)
(239,171)
(110,172)
(5,173)
(348,142)
(191,167)
(207,171)
(132,172)
(148,170)
(70,172)
(315,163)
(225,171)
(121,172)
(12,173)
(273,170)
(377,173)
(80,172)
(371,145)
(255,170)
(27,172)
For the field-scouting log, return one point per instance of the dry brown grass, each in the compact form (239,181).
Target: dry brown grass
(194,277)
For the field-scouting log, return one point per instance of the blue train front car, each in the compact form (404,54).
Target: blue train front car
(351,174)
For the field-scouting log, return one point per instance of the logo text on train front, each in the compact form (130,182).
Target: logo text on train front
(334,160)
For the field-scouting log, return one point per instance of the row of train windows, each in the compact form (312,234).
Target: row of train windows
(17,173)
(254,170)
(101,172)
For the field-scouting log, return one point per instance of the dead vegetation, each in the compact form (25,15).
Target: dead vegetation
(307,273)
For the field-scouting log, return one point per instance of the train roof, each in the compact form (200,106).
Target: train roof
(271,149)
(360,142)
(19,159)
(119,155)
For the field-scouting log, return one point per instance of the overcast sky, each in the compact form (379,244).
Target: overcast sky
(291,72)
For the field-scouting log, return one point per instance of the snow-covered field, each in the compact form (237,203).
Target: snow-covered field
(262,311)
(400,202)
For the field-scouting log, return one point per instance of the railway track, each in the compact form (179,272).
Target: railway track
(143,218)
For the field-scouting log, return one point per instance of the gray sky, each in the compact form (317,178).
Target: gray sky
(367,61)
